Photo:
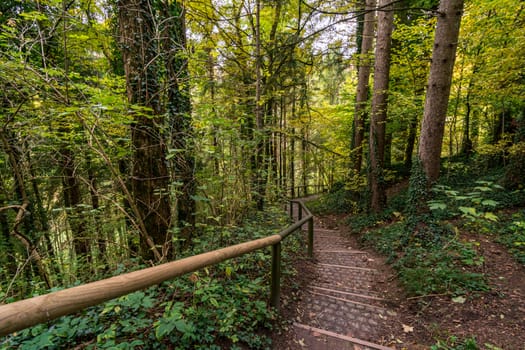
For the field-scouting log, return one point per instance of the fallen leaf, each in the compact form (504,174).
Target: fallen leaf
(407,329)
(459,300)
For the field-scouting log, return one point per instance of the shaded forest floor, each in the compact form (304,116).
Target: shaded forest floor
(491,319)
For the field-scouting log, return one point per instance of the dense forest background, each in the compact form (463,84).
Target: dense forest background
(132,131)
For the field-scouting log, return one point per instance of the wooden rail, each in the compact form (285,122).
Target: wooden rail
(29,312)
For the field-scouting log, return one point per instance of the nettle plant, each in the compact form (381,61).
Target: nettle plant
(475,205)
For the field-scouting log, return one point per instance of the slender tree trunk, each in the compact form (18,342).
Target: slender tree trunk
(259,116)
(466,143)
(379,106)
(150,178)
(365,60)
(292,163)
(439,83)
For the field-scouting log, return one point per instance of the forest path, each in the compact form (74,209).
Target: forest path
(341,307)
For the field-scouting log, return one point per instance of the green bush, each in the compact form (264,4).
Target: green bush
(338,201)
(224,306)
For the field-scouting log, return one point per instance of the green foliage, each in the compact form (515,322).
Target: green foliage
(510,232)
(417,189)
(516,167)
(430,260)
(439,270)
(475,204)
(339,200)
(223,306)
(454,343)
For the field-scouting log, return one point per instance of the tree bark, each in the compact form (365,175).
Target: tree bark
(379,106)
(179,112)
(150,178)
(364,65)
(260,137)
(439,83)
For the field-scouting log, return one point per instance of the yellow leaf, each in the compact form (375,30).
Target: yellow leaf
(407,329)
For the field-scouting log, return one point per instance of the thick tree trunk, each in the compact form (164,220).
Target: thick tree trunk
(150,178)
(367,40)
(439,82)
(379,106)
(179,112)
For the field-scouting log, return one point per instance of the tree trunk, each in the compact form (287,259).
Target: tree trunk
(379,106)
(360,114)
(260,138)
(438,91)
(150,178)
(411,141)
(72,200)
(24,215)
(179,112)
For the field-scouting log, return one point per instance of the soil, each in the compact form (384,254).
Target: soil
(496,318)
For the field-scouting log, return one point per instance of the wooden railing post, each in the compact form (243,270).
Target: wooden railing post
(311,237)
(300,211)
(291,209)
(275,291)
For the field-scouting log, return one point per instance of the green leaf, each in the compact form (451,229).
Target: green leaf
(163,328)
(489,202)
(181,326)
(435,205)
(490,216)
(468,211)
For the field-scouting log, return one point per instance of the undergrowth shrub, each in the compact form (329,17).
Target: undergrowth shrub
(423,247)
(339,200)
(430,259)
(454,343)
(510,232)
(219,307)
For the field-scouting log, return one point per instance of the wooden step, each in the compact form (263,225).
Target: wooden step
(350,296)
(340,315)
(314,338)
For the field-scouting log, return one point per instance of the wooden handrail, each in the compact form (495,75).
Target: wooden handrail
(29,312)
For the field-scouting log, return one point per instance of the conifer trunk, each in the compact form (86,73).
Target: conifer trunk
(360,115)
(439,83)
(379,106)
